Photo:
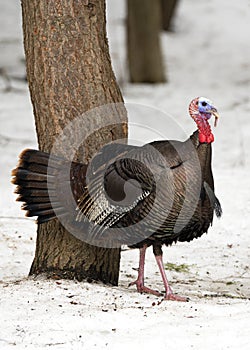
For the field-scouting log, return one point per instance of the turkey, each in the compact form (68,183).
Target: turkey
(156,194)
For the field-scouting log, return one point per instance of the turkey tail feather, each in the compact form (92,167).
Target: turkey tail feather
(32,176)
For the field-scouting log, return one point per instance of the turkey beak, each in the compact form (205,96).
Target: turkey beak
(216,114)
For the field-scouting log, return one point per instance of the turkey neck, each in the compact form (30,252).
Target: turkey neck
(204,151)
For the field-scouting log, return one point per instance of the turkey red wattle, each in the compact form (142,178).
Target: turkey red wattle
(205,133)
(206,139)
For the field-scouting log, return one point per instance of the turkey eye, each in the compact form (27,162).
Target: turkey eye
(204,104)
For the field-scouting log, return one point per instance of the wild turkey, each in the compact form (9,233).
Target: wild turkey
(160,193)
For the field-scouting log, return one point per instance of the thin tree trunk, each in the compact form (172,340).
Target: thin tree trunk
(168,12)
(69,72)
(145,59)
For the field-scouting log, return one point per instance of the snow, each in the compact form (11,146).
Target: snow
(208,54)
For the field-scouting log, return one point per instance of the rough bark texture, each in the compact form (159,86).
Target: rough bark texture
(168,12)
(69,72)
(143,41)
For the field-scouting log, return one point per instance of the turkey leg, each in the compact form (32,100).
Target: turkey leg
(140,280)
(169,295)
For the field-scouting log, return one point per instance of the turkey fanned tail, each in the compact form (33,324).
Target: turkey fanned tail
(41,179)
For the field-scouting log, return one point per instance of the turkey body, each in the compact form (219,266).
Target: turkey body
(160,193)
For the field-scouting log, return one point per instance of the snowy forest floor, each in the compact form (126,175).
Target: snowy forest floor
(207,54)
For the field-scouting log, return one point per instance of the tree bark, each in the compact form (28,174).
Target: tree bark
(69,72)
(145,59)
(168,12)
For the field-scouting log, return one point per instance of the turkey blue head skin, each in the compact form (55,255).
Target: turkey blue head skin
(205,106)
(201,109)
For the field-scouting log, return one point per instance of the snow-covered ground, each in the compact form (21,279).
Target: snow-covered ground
(208,54)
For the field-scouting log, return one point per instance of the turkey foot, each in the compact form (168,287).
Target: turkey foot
(142,289)
(175,297)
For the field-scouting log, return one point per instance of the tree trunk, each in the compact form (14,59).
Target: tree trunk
(168,11)
(143,41)
(69,72)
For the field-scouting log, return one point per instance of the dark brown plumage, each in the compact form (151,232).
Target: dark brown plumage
(160,193)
